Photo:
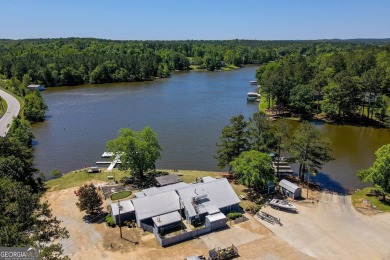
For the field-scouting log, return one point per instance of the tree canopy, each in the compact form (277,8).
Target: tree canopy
(25,220)
(379,173)
(342,83)
(233,141)
(310,149)
(89,199)
(139,150)
(254,169)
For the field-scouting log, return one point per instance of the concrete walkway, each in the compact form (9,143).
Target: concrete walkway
(334,230)
(12,110)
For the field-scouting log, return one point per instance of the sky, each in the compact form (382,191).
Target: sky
(195,19)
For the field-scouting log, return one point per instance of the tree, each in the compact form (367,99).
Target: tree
(310,149)
(254,169)
(233,141)
(89,199)
(379,173)
(302,99)
(260,136)
(280,131)
(25,221)
(139,150)
(35,107)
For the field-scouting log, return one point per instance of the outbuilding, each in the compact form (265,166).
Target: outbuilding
(216,221)
(290,189)
(36,87)
(123,210)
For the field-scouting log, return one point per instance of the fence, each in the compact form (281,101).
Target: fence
(182,237)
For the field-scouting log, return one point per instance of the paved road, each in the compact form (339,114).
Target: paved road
(334,230)
(12,110)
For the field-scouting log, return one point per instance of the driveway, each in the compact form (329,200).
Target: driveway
(334,230)
(12,110)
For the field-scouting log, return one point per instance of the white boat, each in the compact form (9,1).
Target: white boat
(253,82)
(253,96)
(282,204)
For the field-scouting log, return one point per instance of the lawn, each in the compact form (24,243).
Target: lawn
(360,195)
(78,178)
(120,195)
(190,176)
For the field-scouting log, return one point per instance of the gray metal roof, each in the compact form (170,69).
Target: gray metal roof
(219,193)
(158,190)
(212,209)
(126,205)
(151,206)
(167,219)
(215,217)
(207,179)
(168,179)
(288,185)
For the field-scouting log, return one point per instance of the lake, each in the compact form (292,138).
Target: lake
(188,112)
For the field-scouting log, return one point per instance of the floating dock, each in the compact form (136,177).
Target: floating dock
(111,164)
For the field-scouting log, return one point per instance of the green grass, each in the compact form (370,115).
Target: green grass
(78,178)
(120,195)
(229,67)
(4,106)
(263,105)
(360,195)
(190,176)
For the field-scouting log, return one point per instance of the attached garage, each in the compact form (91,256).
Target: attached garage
(290,189)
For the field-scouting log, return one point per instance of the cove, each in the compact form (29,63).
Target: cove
(187,111)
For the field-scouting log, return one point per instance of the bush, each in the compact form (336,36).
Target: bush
(253,209)
(233,215)
(110,221)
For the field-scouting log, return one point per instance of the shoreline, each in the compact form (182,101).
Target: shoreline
(80,177)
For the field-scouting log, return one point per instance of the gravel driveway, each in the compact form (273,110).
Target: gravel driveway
(334,230)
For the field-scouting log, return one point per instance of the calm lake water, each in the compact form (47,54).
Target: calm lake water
(188,112)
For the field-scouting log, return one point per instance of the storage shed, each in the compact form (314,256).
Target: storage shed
(290,189)
(216,221)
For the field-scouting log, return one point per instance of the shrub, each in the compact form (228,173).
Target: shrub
(110,221)
(233,215)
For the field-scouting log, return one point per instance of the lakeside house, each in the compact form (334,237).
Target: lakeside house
(161,210)
(36,87)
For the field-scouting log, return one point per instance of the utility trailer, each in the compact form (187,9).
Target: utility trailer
(222,254)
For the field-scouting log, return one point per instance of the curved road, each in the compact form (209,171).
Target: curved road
(12,110)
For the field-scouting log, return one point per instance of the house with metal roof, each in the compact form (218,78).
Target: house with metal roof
(208,198)
(151,206)
(290,189)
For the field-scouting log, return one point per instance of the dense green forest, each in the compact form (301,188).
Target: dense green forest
(74,61)
(347,84)
(25,220)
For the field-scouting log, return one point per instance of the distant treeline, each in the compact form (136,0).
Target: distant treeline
(348,83)
(74,61)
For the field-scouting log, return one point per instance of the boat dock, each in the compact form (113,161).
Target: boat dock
(111,164)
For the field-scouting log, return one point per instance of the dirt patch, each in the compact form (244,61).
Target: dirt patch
(367,210)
